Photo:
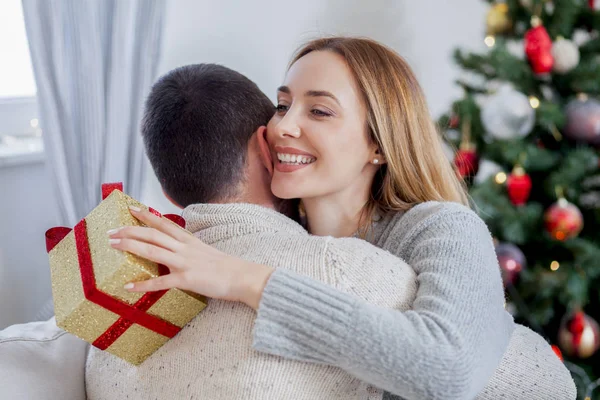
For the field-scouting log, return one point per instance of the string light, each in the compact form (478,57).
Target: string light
(500,178)
(489,41)
(534,101)
(554,265)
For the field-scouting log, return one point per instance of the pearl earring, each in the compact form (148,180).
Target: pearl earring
(376,161)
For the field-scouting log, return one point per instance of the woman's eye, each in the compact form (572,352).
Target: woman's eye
(281,108)
(319,113)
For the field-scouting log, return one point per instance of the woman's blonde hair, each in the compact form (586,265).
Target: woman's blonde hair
(398,120)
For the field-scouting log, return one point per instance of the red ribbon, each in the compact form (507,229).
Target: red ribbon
(107,188)
(55,235)
(129,314)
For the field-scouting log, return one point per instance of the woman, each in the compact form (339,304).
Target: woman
(373,166)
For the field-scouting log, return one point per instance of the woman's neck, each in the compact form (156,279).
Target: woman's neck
(336,215)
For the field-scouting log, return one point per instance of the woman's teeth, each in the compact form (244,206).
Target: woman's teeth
(295,159)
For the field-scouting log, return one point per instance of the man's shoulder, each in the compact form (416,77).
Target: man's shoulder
(269,243)
(361,250)
(218,222)
(354,244)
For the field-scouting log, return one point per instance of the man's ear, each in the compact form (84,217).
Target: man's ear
(265,152)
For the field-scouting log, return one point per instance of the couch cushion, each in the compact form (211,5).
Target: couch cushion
(38,360)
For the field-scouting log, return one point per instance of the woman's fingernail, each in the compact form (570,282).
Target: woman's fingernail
(134,208)
(128,286)
(113,231)
(114,241)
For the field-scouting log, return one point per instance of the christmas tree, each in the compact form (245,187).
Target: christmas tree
(529,121)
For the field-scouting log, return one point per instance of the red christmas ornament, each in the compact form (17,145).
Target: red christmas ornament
(518,185)
(563,220)
(543,63)
(557,351)
(579,335)
(467,161)
(538,48)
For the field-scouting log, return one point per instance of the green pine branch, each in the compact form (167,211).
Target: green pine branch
(585,78)
(499,64)
(507,222)
(586,254)
(530,156)
(588,19)
(574,167)
(563,19)
(470,88)
(591,47)
(549,115)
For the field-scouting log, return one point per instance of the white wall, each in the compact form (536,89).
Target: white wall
(256,38)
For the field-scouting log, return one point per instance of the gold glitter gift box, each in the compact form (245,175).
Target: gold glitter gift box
(87,285)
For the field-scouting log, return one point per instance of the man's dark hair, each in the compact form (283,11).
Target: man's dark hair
(197,124)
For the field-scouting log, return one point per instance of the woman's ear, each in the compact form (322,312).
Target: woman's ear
(265,152)
(377,157)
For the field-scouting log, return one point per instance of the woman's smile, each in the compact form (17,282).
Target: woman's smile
(290,159)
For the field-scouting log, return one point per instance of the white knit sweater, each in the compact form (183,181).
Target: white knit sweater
(212,357)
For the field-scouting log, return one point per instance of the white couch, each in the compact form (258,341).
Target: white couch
(40,361)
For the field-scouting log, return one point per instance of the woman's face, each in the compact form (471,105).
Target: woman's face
(318,137)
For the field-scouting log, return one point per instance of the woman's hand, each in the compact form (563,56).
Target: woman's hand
(194,265)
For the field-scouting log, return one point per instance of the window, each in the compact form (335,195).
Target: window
(20,133)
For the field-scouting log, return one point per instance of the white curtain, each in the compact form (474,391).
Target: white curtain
(94,63)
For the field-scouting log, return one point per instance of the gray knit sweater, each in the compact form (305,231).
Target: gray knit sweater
(446,347)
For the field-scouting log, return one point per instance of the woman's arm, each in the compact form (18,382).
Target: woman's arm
(446,347)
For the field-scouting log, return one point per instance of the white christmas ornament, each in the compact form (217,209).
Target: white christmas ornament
(581,37)
(566,55)
(487,169)
(508,114)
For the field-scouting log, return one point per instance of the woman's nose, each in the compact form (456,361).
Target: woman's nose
(287,126)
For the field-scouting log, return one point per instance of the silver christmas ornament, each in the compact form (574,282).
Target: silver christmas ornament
(583,120)
(508,114)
